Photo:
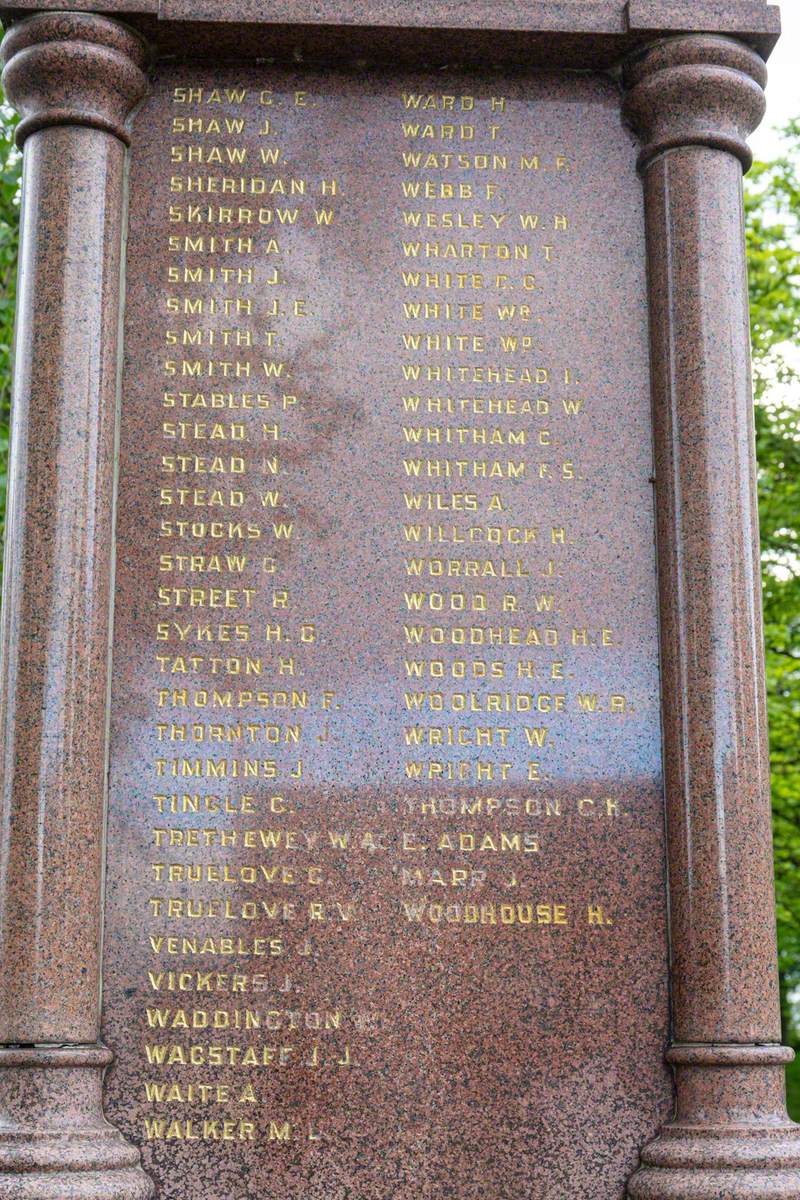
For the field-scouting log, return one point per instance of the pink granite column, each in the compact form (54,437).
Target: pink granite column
(75,79)
(693,100)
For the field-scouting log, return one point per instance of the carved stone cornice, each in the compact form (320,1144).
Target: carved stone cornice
(69,68)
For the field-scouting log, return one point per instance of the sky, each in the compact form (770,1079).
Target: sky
(783,89)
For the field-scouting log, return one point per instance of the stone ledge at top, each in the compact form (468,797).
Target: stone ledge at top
(707,16)
(519,33)
(532,16)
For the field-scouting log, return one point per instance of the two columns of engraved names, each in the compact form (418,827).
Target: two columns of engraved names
(693,101)
(75,79)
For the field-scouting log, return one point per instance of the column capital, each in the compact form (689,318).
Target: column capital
(697,90)
(70,68)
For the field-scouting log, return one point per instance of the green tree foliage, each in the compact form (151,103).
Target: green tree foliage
(10,171)
(772,205)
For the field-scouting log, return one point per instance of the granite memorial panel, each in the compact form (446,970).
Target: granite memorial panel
(385,781)
(385,823)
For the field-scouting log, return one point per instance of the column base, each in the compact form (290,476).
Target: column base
(730,1138)
(55,1143)
(714,1185)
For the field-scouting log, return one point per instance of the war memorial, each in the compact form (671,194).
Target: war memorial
(385,793)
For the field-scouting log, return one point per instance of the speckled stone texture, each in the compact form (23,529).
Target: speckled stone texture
(74,79)
(594,17)
(588,34)
(56,598)
(694,100)
(55,1142)
(735,16)
(486,1060)
(482,1068)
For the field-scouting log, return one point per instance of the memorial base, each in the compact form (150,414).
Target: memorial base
(55,1143)
(705,1184)
(730,1138)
